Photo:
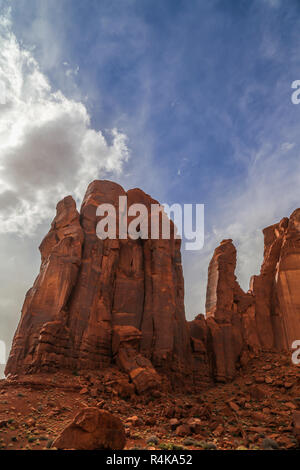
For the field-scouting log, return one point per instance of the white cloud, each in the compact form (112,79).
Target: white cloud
(47,146)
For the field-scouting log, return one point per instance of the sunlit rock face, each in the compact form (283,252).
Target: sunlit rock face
(276,289)
(98,302)
(287,281)
(90,291)
(238,324)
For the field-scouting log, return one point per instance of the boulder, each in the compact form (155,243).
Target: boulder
(92,429)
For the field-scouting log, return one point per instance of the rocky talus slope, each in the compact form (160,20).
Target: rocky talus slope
(257,410)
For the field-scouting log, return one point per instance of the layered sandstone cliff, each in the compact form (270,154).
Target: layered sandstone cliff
(96,302)
(239,325)
(277,288)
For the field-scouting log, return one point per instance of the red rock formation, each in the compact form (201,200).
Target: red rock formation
(266,318)
(125,347)
(95,300)
(263,288)
(221,281)
(43,336)
(286,297)
(229,331)
(121,300)
(276,289)
(202,359)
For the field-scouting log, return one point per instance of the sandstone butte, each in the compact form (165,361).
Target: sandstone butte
(101,302)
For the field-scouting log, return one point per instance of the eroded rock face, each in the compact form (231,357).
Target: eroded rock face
(276,289)
(125,345)
(202,359)
(239,325)
(43,335)
(97,301)
(286,298)
(263,288)
(228,333)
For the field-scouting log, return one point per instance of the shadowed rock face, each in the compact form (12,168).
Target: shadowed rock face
(97,302)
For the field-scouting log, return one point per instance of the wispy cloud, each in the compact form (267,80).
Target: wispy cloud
(268,191)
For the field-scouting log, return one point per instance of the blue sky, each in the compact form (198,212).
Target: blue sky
(190,83)
(199,95)
(184,80)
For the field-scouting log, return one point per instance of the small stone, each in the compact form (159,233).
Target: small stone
(174,422)
(259,380)
(288,385)
(135,421)
(233,406)
(257,392)
(94,392)
(209,446)
(269,444)
(151,421)
(30,422)
(268,380)
(189,442)
(183,430)
(195,424)
(291,405)
(219,430)
(152,440)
